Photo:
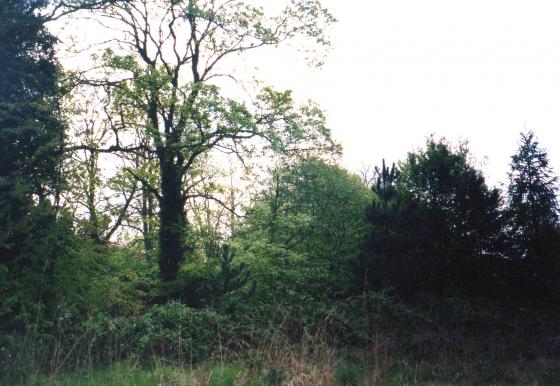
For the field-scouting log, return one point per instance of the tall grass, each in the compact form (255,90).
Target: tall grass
(178,346)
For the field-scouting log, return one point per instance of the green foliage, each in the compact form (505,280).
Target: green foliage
(49,269)
(348,374)
(57,279)
(441,231)
(319,260)
(171,330)
(35,241)
(372,317)
(227,280)
(220,282)
(169,100)
(275,376)
(304,232)
(532,192)
(126,281)
(29,130)
(533,225)
(385,185)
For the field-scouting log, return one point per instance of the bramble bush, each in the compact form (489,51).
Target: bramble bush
(172,330)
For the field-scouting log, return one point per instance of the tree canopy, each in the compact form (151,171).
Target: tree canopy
(533,222)
(439,229)
(160,82)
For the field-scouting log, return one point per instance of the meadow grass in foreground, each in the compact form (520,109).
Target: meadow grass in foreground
(128,373)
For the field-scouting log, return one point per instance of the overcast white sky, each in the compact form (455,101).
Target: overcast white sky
(400,70)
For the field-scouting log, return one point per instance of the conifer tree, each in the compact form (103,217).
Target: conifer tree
(30,138)
(435,225)
(533,223)
(385,183)
(30,131)
(532,190)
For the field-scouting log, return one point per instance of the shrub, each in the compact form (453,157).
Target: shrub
(171,330)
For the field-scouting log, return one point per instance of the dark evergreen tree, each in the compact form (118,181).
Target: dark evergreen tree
(533,223)
(29,129)
(220,282)
(383,240)
(532,194)
(441,232)
(30,139)
(385,187)
(227,280)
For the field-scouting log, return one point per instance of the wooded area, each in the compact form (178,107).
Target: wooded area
(149,216)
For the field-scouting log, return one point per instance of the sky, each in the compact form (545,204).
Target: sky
(400,70)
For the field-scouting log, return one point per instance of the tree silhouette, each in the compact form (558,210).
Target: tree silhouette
(440,230)
(533,222)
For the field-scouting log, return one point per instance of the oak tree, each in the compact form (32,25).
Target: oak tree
(162,73)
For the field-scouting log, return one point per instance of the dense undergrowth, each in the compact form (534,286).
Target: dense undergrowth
(369,339)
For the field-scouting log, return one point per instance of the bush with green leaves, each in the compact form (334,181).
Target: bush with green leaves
(221,282)
(171,330)
(49,273)
(372,317)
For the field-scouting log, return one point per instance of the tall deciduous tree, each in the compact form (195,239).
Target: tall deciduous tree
(314,211)
(161,74)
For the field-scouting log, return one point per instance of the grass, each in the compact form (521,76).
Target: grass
(311,361)
(538,372)
(131,374)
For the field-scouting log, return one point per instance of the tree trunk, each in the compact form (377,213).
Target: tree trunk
(147,221)
(172,221)
(92,175)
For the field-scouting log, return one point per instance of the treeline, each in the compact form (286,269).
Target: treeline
(439,229)
(167,255)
